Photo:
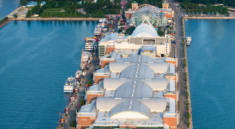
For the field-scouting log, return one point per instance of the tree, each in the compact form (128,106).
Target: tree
(160,33)
(93,14)
(87,15)
(101,14)
(23,2)
(15,15)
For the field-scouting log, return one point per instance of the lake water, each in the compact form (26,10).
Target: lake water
(36,58)
(211,72)
(7,6)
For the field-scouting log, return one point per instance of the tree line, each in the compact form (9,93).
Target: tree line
(209,2)
(157,3)
(194,7)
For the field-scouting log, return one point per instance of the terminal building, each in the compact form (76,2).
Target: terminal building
(139,92)
(157,17)
(136,86)
(144,35)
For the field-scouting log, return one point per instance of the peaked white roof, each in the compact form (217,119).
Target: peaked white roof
(144,30)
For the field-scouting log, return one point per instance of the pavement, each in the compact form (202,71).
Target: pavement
(74,105)
(179,54)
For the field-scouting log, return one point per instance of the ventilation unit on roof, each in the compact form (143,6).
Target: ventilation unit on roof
(130,102)
(137,68)
(133,90)
(138,65)
(132,95)
(134,86)
(129,107)
(134,81)
(136,75)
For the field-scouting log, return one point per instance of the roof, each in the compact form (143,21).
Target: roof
(144,30)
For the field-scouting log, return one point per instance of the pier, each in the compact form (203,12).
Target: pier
(74,105)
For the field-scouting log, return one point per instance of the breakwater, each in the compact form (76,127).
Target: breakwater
(54,19)
(209,17)
(186,77)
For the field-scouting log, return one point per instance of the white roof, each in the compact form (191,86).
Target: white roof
(144,30)
(155,104)
(118,66)
(106,104)
(113,83)
(158,83)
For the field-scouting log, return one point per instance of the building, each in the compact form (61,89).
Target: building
(139,92)
(144,35)
(150,14)
(136,86)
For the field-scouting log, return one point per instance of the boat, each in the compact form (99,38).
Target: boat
(84,59)
(188,41)
(78,74)
(98,30)
(70,84)
(90,42)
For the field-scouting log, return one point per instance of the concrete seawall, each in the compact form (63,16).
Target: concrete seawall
(54,19)
(4,24)
(187,82)
(209,17)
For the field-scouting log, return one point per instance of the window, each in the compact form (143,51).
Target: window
(84,119)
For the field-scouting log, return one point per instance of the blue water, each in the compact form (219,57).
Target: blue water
(7,6)
(35,60)
(211,72)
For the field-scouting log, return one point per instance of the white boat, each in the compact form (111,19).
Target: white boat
(98,30)
(78,73)
(188,41)
(84,59)
(69,84)
(90,44)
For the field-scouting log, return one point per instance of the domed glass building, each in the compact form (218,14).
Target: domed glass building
(149,14)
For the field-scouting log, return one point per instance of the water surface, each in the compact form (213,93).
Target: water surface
(36,57)
(211,71)
(7,6)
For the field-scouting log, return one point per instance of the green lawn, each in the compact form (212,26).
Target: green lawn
(53,9)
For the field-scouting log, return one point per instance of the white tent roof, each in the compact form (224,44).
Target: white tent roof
(118,66)
(144,30)
(113,83)
(157,83)
(155,104)
(106,104)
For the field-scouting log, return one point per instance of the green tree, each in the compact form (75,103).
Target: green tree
(75,14)
(101,14)
(87,15)
(93,14)
(23,2)
(160,33)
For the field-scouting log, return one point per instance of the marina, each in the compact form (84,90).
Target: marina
(34,67)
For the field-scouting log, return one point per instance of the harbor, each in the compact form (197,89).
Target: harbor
(78,85)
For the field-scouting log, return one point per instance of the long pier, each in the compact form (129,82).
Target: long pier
(209,17)
(54,19)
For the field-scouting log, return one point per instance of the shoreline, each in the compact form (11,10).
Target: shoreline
(4,23)
(54,19)
(212,18)
(187,82)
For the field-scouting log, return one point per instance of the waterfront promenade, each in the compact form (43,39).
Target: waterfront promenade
(54,19)
(81,94)
(182,107)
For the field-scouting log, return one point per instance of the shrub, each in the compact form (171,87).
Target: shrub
(89,83)
(81,102)
(188,115)
(73,124)
(188,122)
(4,20)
